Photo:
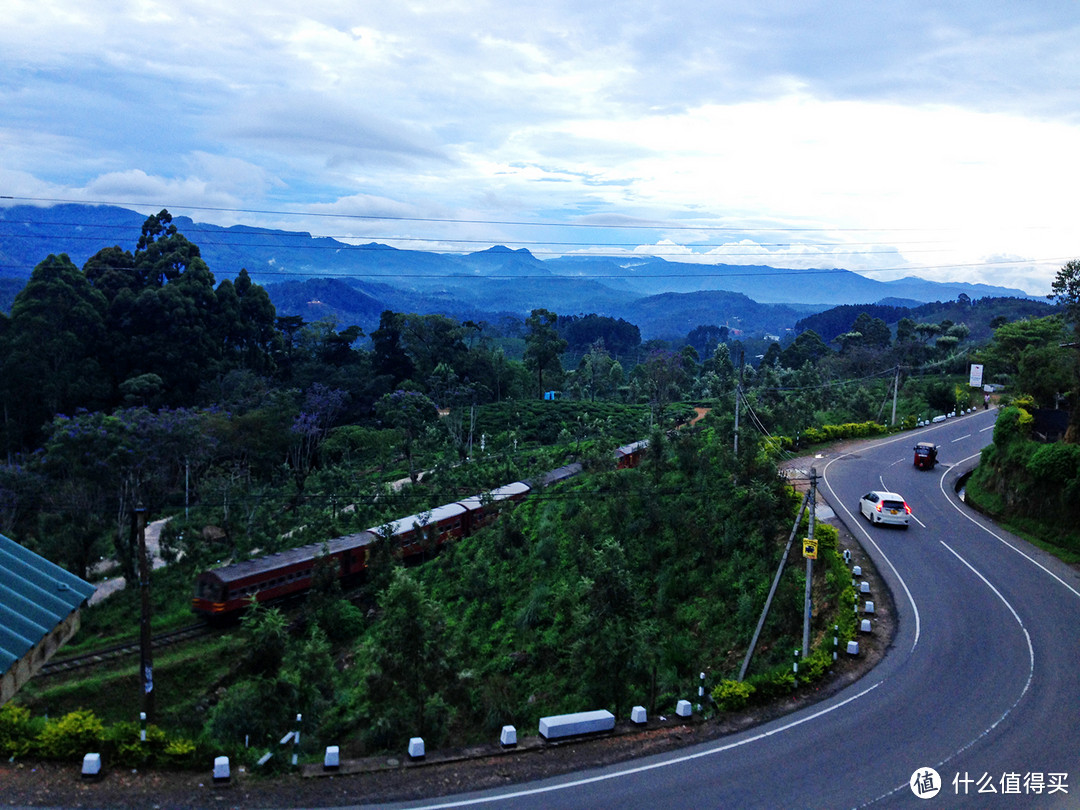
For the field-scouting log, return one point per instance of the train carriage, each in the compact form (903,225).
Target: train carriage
(436,527)
(558,475)
(226,590)
(629,455)
(480,510)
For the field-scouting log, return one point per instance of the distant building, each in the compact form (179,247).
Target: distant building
(39,613)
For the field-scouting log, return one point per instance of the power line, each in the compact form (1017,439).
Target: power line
(592,249)
(765,270)
(460,221)
(271,232)
(453,241)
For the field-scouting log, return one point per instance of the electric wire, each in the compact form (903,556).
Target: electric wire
(593,249)
(654,225)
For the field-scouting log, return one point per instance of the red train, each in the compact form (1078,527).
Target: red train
(225,591)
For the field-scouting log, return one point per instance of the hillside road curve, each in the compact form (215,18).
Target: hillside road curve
(981,685)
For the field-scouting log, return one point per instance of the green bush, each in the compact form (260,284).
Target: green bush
(181,753)
(827,536)
(17,731)
(770,685)
(731,696)
(124,746)
(829,433)
(1054,463)
(813,667)
(71,736)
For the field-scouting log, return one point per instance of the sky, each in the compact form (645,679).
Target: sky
(933,139)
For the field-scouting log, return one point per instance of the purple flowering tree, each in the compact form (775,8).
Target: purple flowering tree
(101,466)
(321,408)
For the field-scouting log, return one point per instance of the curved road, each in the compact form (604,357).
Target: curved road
(982,683)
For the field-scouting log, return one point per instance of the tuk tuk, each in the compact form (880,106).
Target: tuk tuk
(925,455)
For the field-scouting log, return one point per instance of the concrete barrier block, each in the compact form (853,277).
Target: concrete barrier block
(683,708)
(868,607)
(567,725)
(865,626)
(332,758)
(91,766)
(638,715)
(864,587)
(853,648)
(416,747)
(221,769)
(508,736)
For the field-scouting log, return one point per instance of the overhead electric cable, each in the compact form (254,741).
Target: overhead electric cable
(453,220)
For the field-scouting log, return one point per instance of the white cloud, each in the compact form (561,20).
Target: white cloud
(900,137)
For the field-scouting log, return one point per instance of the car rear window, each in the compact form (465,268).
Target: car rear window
(893,504)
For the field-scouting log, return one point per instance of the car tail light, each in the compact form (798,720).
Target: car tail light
(907,508)
(878,507)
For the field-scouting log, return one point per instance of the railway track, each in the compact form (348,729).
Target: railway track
(116,651)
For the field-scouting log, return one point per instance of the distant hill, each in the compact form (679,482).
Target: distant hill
(674,315)
(768,285)
(648,291)
(976,314)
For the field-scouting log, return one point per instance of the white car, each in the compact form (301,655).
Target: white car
(885,507)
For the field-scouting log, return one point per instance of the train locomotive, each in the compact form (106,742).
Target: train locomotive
(225,592)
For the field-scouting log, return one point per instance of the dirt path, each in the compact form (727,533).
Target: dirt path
(110,586)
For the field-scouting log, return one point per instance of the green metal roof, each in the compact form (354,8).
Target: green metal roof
(35,596)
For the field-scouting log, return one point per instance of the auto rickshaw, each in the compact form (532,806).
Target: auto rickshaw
(925,455)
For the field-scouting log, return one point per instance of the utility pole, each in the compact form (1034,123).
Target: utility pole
(772,589)
(145,657)
(895,388)
(807,607)
(738,396)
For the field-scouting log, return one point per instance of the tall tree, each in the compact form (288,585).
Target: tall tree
(321,408)
(543,346)
(410,413)
(661,376)
(389,355)
(164,317)
(50,349)
(409,662)
(606,653)
(248,324)
(808,347)
(433,339)
(115,462)
(1066,292)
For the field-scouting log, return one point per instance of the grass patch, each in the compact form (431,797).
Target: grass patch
(116,618)
(1051,539)
(184,675)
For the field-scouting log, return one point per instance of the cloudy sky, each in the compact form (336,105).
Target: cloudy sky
(901,138)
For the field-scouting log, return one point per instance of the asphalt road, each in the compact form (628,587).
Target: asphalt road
(982,683)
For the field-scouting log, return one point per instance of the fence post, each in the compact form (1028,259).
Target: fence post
(296,741)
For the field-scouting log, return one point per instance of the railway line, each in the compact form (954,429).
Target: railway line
(117,651)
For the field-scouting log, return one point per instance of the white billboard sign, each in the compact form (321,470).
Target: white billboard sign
(976,375)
